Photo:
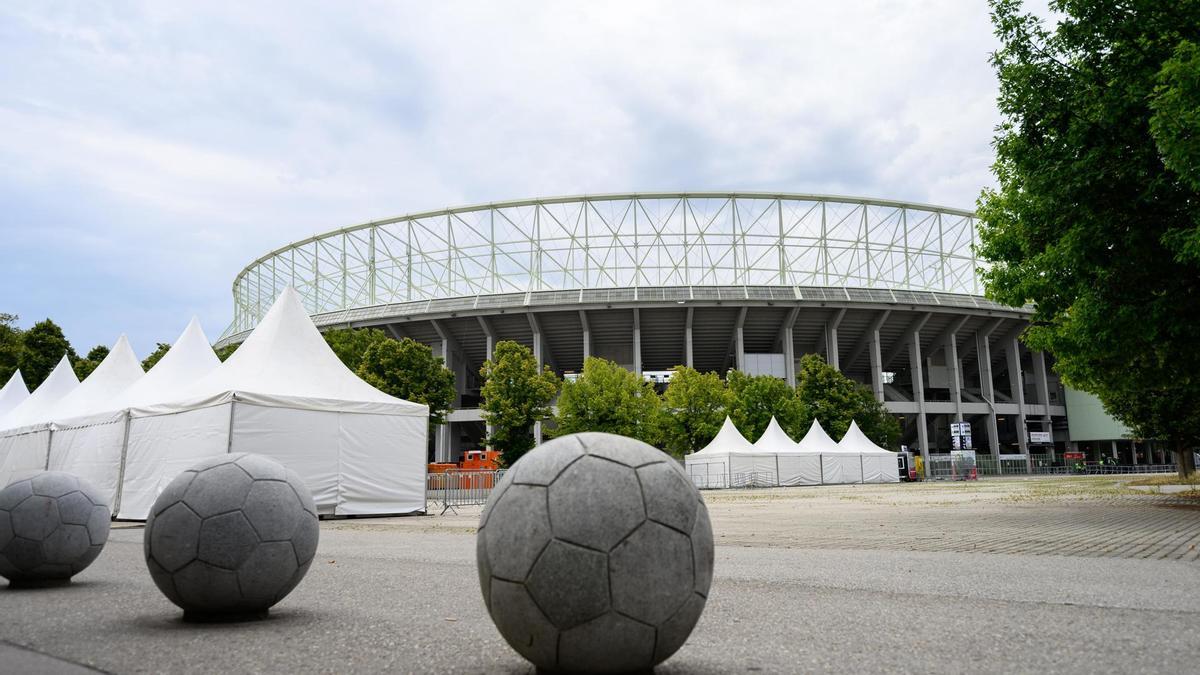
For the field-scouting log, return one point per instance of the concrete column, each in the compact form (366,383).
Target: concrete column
(1043,389)
(1115,454)
(876,366)
(789,357)
(1016,383)
(955,369)
(832,353)
(587,334)
(687,341)
(983,353)
(739,353)
(637,342)
(918,382)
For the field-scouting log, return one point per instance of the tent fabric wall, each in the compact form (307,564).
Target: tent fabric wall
(799,469)
(23,450)
(879,465)
(91,449)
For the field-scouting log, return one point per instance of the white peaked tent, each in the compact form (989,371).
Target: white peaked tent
(774,440)
(286,395)
(188,360)
(840,464)
(88,426)
(13,394)
(717,464)
(801,464)
(25,433)
(116,373)
(878,465)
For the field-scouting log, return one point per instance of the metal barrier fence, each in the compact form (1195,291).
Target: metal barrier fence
(943,467)
(461,488)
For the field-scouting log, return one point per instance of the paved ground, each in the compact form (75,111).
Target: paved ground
(1077,575)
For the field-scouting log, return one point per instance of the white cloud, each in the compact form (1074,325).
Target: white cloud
(162,146)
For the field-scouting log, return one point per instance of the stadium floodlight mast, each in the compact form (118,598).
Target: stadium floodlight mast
(633,240)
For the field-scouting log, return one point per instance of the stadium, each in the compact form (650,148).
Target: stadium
(887,291)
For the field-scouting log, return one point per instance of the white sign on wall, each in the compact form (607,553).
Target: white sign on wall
(1043,437)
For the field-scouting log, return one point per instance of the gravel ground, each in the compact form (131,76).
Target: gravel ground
(1062,575)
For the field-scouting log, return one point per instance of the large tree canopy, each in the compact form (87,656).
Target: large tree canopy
(408,369)
(11,345)
(607,397)
(351,344)
(43,346)
(695,405)
(1096,218)
(758,398)
(836,400)
(515,396)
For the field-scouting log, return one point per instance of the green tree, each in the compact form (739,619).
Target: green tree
(350,344)
(609,398)
(42,347)
(160,350)
(408,369)
(515,395)
(1096,217)
(695,405)
(758,398)
(84,367)
(828,395)
(10,346)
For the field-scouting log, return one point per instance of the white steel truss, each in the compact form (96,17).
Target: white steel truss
(639,240)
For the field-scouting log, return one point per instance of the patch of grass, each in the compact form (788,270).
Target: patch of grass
(1168,479)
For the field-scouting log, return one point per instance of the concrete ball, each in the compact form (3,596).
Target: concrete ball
(231,537)
(52,526)
(595,555)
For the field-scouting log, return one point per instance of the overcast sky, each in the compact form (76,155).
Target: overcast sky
(149,151)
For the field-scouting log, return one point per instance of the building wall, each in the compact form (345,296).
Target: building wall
(1087,421)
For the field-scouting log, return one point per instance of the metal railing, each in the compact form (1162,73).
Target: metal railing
(456,488)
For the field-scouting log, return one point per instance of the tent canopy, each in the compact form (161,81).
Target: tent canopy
(13,394)
(856,441)
(40,406)
(186,362)
(774,439)
(816,440)
(286,361)
(728,440)
(116,373)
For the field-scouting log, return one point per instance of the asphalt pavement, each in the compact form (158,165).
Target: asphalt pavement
(381,598)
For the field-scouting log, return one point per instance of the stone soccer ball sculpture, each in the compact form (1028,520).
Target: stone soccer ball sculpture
(595,554)
(52,526)
(231,536)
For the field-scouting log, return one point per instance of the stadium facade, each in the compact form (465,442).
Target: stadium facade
(887,291)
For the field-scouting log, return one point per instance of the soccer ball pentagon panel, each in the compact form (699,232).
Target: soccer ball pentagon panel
(52,526)
(595,554)
(231,536)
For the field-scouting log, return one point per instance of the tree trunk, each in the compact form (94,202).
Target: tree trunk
(1184,459)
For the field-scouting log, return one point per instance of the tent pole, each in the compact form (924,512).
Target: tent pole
(777,483)
(116,508)
(862,477)
(229,439)
(49,444)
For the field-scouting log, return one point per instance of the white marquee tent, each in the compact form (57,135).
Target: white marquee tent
(90,442)
(775,460)
(286,395)
(878,465)
(727,460)
(13,394)
(25,430)
(801,465)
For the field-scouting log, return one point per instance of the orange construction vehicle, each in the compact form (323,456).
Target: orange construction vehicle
(473,462)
